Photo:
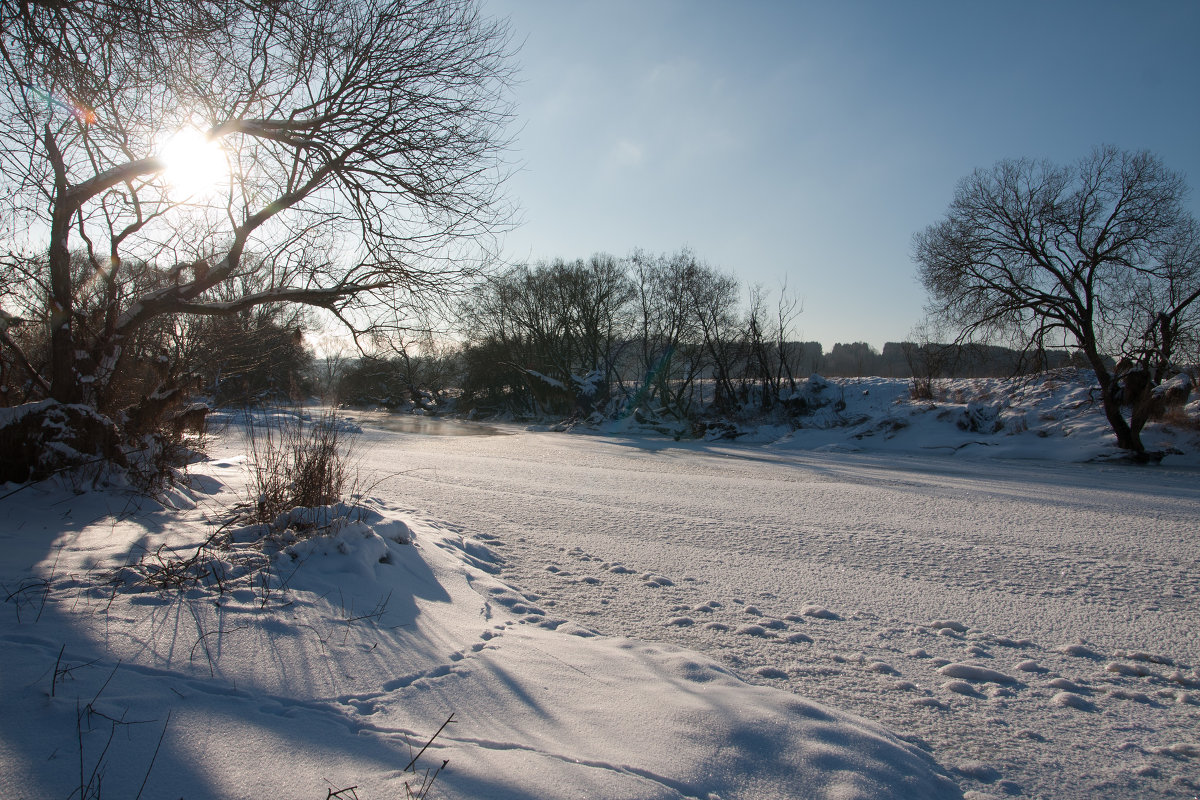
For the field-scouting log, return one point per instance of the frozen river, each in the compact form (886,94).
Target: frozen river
(862,580)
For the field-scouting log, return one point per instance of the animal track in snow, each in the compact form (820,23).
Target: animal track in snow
(1079,650)
(961,687)
(752,630)
(1072,700)
(771,672)
(974,672)
(819,612)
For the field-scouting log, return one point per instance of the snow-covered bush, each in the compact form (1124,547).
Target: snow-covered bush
(979,417)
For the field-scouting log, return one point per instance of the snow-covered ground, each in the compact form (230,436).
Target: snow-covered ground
(880,610)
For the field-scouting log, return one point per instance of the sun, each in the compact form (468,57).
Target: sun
(195,164)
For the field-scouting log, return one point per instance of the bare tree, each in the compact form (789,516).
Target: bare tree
(673,354)
(1101,253)
(769,353)
(712,299)
(563,321)
(359,147)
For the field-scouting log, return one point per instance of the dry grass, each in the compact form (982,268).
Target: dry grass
(1178,418)
(297,465)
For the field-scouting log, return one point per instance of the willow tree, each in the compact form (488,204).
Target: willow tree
(166,159)
(1101,255)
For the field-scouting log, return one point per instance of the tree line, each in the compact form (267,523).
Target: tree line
(658,335)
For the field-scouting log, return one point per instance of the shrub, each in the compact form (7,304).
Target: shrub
(297,465)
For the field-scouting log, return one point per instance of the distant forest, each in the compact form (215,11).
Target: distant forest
(908,359)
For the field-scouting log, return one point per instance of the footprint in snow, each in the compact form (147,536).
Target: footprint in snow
(961,687)
(513,601)
(1185,749)
(752,630)
(927,702)
(1079,650)
(1072,700)
(1125,694)
(771,672)
(948,625)
(572,629)
(1137,655)
(1128,670)
(979,771)
(819,612)
(974,672)
(1004,641)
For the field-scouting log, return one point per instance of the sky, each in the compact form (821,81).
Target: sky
(805,143)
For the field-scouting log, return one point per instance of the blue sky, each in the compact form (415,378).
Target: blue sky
(807,142)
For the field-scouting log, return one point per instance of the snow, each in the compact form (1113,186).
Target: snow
(334,668)
(546,379)
(792,614)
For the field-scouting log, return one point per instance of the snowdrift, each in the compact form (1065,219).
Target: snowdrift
(1054,415)
(329,671)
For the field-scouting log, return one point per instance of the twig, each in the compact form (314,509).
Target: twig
(104,685)
(376,612)
(57,661)
(200,640)
(449,719)
(153,758)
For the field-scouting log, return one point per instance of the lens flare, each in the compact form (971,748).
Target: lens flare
(79,111)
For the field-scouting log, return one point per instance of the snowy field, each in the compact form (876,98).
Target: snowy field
(890,609)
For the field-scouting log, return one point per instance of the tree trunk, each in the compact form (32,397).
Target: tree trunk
(1128,438)
(64,383)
